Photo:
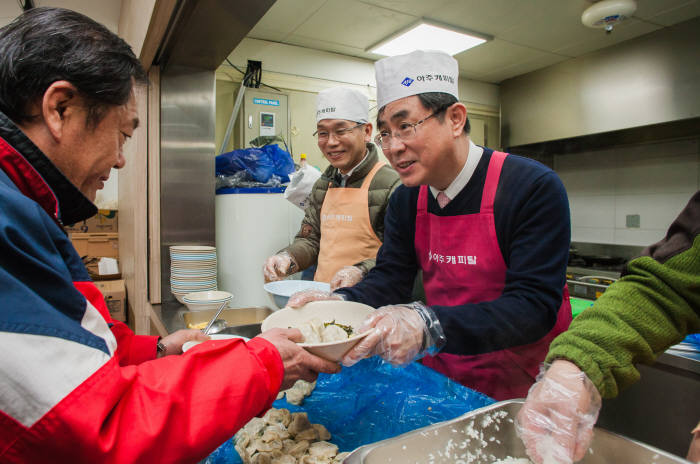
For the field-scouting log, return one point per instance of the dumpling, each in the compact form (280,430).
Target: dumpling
(323,450)
(332,333)
(323,433)
(300,422)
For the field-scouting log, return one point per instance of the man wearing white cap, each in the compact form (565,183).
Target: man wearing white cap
(343,225)
(489,230)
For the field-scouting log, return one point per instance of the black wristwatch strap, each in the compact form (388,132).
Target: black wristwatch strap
(160,348)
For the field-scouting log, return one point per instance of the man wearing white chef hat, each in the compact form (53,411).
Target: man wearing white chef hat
(343,224)
(490,232)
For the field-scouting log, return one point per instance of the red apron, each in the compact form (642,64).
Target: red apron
(462,263)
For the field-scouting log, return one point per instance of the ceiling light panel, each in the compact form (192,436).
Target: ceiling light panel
(425,36)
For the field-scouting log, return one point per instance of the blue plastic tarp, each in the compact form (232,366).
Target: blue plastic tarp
(693,339)
(372,401)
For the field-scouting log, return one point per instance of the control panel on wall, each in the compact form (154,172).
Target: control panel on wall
(265,114)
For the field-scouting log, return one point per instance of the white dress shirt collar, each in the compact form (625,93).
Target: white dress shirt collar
(464,175)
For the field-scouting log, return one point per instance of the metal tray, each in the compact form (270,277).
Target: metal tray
(233,316)
(488,434)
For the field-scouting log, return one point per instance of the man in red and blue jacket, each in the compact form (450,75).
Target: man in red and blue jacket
(75,385)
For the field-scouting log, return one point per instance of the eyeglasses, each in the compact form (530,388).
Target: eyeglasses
(337,133)
(406,132)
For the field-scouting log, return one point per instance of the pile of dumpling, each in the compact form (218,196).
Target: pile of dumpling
(315,331)
(281,437)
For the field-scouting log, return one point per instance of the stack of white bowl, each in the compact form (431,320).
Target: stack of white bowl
(192,269)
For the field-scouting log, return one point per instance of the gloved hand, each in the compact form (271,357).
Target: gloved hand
(346,277)
(279,266)
(556,422)
(400,334)
(299,299)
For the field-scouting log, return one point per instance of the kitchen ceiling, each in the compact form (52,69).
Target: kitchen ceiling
(528,34)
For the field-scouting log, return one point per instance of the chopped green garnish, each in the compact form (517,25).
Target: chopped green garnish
(346,328)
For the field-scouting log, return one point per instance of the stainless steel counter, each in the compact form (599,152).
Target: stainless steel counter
(176,316)
(170,313)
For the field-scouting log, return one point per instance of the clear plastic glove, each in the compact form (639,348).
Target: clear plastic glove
(401,334)
(346,277)
(556,422)
(279,266)
(299,299)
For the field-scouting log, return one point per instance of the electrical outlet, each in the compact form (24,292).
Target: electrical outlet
(633,221)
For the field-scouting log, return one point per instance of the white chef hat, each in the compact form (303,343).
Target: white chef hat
(417,72)
(342,103)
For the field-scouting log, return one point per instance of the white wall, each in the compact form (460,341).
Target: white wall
(654,180)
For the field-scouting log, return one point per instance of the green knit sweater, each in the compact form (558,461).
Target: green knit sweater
(652,307)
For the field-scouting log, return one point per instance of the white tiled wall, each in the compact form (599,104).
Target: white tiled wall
(654,180)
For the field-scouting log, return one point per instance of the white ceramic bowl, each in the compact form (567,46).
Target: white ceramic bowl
(342,312)
(281,290)
(202,301)
(187,345)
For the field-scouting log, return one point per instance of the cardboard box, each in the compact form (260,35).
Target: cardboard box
(100,244)
(104,221)
(114,292)
(92,265)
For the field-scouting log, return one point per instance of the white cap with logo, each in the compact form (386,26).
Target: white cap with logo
(342,103)
(417,72)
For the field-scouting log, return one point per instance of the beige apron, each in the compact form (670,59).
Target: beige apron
(347,236)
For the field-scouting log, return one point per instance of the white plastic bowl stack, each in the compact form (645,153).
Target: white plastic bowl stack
(192,269)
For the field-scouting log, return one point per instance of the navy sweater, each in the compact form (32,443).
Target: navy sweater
(533,228)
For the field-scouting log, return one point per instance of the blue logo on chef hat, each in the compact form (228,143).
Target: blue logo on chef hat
(407,82)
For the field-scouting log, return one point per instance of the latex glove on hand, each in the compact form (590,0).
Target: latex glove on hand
(298,363)
(173,342)
(556,422)
(299,299)
(346,277)
(279,266)
(400,334)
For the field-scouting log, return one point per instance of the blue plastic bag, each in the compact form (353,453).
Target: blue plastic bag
(258,163)
(255,161)
(281,159)
(372,401)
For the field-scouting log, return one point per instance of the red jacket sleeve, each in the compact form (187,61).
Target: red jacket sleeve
(173,409)
(131,348)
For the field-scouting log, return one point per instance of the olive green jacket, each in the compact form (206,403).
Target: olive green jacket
(306,245)
(652,307)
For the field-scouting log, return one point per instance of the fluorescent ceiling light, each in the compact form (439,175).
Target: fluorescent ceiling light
(428,36)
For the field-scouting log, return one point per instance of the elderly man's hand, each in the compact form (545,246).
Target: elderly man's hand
(173,342)
(556,422)
(346,277)
(279,266)
(298,363)
(396,335)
